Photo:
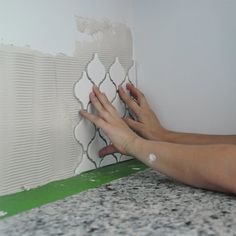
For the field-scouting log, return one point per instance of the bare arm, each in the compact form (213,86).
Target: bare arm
(206,166)
(188,138)
(149,127)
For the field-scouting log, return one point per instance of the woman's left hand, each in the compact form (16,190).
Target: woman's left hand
(121,136)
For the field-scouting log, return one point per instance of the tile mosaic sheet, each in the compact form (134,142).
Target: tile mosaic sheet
(91,138)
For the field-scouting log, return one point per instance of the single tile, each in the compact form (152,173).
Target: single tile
(94,147)
(96,70)
(117,73)
(107,58)
(109,88)
(82,89)
(84,132)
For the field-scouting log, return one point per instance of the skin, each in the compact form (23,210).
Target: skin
(204,161)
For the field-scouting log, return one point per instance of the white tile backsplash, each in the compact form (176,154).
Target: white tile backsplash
(96,70)
(117,72)
(93,139)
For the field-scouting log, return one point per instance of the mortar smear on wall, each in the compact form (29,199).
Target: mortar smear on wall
(108,39)
(42,137)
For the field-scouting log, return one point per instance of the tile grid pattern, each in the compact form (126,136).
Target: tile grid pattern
(91,138)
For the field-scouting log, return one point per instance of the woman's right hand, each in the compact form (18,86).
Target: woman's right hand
(147,124)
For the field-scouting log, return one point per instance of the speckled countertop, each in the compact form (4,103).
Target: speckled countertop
(145,203)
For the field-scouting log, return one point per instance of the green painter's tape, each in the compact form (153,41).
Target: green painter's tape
(19,202)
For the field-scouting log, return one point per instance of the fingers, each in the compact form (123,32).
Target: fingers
(107,150)
(134,125)
(103,100)
(103,125)
(98,106)
(95,119)
(136,93)
(129,101)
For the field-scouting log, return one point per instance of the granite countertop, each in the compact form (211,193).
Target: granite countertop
(145,203)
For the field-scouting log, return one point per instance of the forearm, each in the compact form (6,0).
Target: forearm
(206,166)
(188,138)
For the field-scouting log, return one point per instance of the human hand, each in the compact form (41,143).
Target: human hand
(147,124)
(121,136)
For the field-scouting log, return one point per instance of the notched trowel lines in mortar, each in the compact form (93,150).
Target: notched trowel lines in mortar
(42,137)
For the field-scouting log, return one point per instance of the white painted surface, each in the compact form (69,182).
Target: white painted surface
(186,53)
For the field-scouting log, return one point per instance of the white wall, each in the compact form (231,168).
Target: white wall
(49,25)
(187,62)
(186,50)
